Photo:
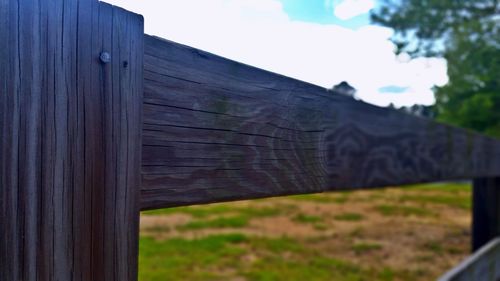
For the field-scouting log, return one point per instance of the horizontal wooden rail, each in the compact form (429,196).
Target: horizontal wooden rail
(218,130)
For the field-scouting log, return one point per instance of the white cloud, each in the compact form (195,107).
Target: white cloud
(259,33)
(347,9)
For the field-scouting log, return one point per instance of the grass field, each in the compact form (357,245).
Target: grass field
(412,233)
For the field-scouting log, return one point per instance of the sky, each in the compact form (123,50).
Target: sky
(323,42)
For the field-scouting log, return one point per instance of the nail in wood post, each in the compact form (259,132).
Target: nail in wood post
(70,132)
(485,211)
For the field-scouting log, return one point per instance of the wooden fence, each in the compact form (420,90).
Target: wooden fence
(99,121)
(484,264)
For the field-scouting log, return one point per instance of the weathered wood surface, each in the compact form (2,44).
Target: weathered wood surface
(485,211)
(70,140)
(484,265)
(217,130)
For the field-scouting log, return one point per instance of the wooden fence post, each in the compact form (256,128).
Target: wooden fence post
(70,131)
(485,211)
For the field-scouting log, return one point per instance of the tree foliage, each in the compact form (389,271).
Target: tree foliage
(467,34)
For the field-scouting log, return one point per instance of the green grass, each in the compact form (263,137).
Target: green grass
(158,228)
(261,212)
(364,247)
(181,259)
(438,248)
(203,259)
(195,211)
(277,245)
(433,246)
(303,218)
(238,217)
(221,222)
(221,257)
(322,197)
(275,268)
(357,232)
(448,187)
(216,209)
(349,217)
(402,210)
(320,226)
(454,201)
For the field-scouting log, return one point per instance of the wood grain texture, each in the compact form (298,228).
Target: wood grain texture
(70,140)
(485,211)
(217,130)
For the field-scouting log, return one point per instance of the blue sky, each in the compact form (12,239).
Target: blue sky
(319,11)
(323,42)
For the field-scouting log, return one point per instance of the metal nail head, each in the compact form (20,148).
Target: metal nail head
(105,57)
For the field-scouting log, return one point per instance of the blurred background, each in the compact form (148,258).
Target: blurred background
(435,59)
(411,233)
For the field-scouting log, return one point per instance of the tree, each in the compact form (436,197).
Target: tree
(345,89)
(419,110)
(467,34)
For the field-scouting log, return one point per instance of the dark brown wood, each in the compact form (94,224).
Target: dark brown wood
(218,130)
(485,211)
(70,134)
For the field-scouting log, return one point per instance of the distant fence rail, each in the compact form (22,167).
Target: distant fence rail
(100,121)
(483,265)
